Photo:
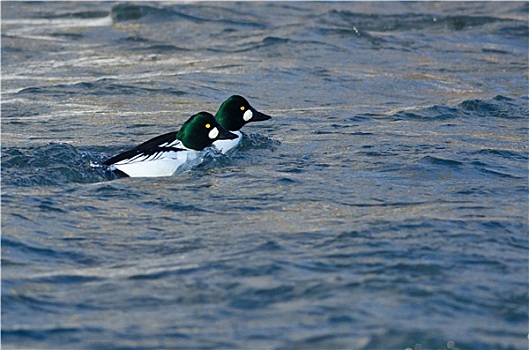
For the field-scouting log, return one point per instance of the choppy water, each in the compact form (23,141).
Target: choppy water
(385,206)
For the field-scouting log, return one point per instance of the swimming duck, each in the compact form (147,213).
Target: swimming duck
(233,114)
(164,154)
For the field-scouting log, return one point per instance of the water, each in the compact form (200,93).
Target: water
(383,207)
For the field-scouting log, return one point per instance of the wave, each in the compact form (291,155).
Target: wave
(411,18)
(57,164)
(196,13)
(48,165)
(497,107)
(101,87)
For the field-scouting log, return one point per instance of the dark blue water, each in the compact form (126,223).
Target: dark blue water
(385,206)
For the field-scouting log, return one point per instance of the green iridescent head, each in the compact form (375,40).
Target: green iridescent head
(235,112)
(201,130)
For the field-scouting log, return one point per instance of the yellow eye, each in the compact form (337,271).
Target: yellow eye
(208,126)
(242,108)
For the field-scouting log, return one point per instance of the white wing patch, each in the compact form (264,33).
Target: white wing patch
(144,158)
(176,143)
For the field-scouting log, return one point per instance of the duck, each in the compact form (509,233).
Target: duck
(163,155)
(232,115)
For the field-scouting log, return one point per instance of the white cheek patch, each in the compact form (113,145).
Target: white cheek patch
(213,133)
(247,115)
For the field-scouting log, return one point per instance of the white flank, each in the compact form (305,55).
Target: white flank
(164,164)
(225,145)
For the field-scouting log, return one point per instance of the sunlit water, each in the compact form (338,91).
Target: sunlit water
(383,207)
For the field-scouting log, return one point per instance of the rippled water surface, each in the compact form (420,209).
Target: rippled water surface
(383,207)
